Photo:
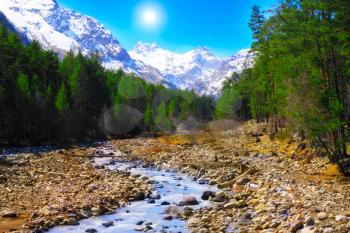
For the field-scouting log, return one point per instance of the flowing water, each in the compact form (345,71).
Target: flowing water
(170,186)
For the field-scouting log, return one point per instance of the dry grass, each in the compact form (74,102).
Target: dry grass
(178,139)
(333,170)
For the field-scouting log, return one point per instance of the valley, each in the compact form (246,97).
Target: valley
(257,185)
(233,118)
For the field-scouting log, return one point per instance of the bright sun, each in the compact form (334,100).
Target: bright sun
(150,16)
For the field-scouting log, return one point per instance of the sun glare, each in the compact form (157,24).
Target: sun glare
(150,16)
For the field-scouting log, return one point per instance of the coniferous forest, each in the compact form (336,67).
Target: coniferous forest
(300,80)
(45,100)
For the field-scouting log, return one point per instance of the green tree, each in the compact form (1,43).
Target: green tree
(148,117)
(23,85)
(162,120)
(62,101)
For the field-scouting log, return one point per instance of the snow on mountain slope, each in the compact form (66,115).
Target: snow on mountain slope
(61,30)
(198,70)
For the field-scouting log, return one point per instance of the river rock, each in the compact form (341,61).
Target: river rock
(8,214)
(245,219)
(203,230)
(340,218)
(243,181)
(168,218)
(218,199)
(212,182)
(154,195)
(96,211)
(328,230)
(165,203)
(322,216)
(34,215)
(309,221)
(70,222)
(139,223)
(187,212)
(139,196)
(188,200)
(221,195)
(207,194)
(235,204)
(172,210)
(107,224)
(91,230)
(147,228)
(297,225)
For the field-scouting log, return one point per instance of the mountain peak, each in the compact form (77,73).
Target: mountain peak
(144,46)
(199,69)
(31,4)
(62,30)
(202,49)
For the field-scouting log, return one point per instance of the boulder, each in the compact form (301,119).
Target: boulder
(188,200)
(207,194)
(139,196)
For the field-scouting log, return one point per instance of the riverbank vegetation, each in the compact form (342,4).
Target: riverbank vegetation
(300,80)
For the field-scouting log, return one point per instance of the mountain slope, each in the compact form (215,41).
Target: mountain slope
(61,30)
(198,69)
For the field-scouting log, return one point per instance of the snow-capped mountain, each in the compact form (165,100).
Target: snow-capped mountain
(198,69)
(61,30)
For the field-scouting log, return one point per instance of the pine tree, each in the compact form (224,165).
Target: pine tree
(256,22)
(162,120)
(23,85)
(148,117)
(62,101)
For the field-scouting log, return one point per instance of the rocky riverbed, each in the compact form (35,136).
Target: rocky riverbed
(267,183)
(61,187)
(174,197)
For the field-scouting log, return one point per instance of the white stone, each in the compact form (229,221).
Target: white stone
(340,218)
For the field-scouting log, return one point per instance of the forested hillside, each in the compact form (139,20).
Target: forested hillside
(300,80)
(43,99)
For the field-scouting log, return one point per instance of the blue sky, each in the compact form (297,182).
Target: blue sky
(220,25)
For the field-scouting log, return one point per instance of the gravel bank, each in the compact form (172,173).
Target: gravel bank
(39,191)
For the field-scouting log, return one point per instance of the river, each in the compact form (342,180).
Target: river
(149,215)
